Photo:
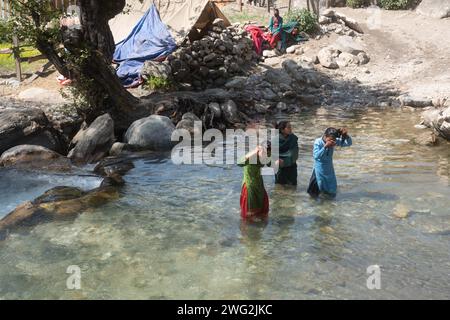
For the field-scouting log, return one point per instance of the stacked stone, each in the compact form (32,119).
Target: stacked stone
(332,21)
(219,55)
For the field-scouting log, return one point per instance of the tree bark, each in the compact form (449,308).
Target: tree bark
(108,94)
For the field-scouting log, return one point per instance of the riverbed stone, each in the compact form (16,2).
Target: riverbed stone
(428,139)
(34,157)
(153,133)
(94,142)
(57,203)
(401,211)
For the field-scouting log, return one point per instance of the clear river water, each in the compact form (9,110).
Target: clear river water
(176,233)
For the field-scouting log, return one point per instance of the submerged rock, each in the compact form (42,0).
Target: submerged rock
(93,143)
(57,203)
(401,211)
(153,133)
(34,157)
(428,139)
(113,166)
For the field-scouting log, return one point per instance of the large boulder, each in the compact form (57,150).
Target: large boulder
(439,119)
(94,142)
(327,57)
(346,59)
(434,8)
(277,76)
(40,95)
(28,126)
(153,133)
(348,44)
(34,157)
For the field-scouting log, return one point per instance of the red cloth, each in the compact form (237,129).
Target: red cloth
(274,40)
(258,37)
(260,213)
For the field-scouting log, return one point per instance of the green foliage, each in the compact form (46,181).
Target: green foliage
(396,4)
(306,19)
(158,83)
(5,31)
(357,3)
(35,19)
(38,22)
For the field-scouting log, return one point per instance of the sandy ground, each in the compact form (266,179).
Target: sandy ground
(408,51)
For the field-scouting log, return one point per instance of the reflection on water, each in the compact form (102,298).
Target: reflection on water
(176,232)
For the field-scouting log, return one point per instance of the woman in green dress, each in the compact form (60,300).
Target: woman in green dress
(254,198)
(287,172)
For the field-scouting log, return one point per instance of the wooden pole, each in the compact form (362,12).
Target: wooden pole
(16,51)
(289,6)
(268,6)
(240,5)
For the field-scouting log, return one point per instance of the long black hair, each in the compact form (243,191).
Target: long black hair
(332,132)
(281,125)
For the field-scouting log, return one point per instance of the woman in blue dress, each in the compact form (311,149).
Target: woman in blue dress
(323,179)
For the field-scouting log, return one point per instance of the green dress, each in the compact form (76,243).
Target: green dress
(287,173)
(254,183)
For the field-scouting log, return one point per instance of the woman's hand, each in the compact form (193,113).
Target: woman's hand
(279,163)
(330,144)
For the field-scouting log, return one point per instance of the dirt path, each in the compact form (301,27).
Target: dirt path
(407,50)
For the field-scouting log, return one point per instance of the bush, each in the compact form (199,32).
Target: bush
(155,83)
(5,31)
(396,4)
(357,3)
(307,20)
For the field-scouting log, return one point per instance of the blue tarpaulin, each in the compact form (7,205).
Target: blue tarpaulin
(149,40)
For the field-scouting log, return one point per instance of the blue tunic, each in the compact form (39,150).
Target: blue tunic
(323,164)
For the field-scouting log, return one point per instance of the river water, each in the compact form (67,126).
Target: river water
(176,232)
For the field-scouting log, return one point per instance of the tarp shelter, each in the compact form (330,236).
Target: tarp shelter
(152,38)
(192,18)
(149,40)
(182,17)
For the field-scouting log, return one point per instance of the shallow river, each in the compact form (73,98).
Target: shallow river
(176,232)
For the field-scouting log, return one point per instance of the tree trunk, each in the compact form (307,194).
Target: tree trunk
(108,94)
